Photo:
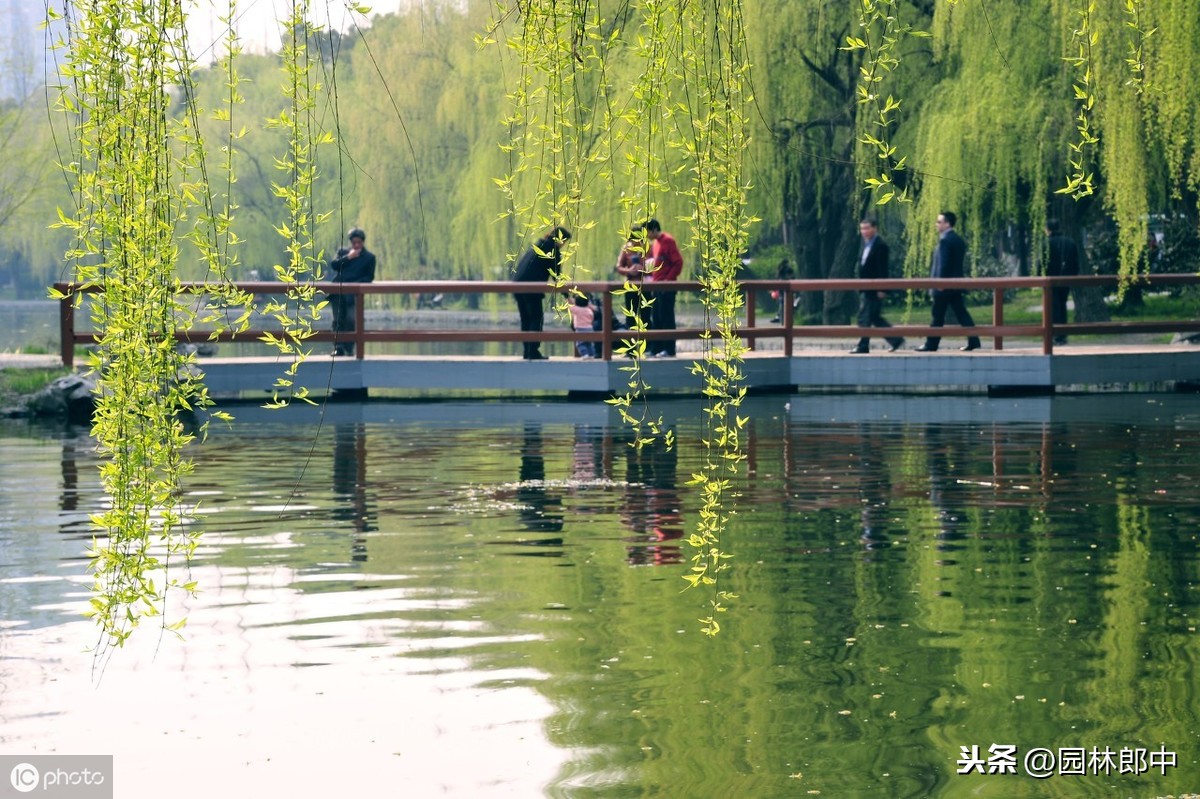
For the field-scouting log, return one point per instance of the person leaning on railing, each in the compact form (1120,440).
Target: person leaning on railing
(536,266)
(353,264)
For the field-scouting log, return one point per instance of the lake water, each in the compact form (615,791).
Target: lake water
(29,325)
(485,600)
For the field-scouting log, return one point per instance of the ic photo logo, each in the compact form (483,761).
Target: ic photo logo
(25,777)
(57,776)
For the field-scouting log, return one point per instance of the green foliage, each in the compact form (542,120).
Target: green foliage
(720,133)
(986,120)
(678,129)
(20,382)
(129,204)
(881,35)
(300,309)
(1080,183)
(143,189)
(213,235)
(1135,12)
(1168,72)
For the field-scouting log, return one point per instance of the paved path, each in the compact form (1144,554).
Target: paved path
(1024,369)
(20,360)
(1020,366)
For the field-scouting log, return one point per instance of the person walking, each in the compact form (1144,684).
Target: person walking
(1062,258)
(353,264)
(872,265)
(664,265)
(949,257)
(536,266)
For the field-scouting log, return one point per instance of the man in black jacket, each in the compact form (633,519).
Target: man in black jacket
(536,266)
(872,265)
(948,260)
(354,264)
(1062,259)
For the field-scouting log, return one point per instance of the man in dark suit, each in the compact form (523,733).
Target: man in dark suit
(1062,258)
(537,265)
(872,265)
(948,259)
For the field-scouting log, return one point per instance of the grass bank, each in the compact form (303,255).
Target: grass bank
(16,383)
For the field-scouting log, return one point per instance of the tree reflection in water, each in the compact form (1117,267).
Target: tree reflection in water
(906,588)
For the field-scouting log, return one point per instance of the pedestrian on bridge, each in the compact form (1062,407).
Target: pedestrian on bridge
(353,264)
(1062,258)
(631,268)
(541,261)
(872,265)
(948,260)
(664,265)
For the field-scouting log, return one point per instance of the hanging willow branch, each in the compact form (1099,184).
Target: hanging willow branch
(550,124)
(718,70)
(1081,182)
(676,131)
(130,198)
(641,134)
(214,236)
(881,34)
(299,310)
(1139,33)
(142,186)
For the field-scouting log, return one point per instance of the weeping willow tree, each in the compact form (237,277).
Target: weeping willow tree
(993,113)
(824,127)
(146,199)
(1079,109)
(649,107)
(128,207)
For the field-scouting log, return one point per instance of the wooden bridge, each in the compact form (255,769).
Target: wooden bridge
(783,356)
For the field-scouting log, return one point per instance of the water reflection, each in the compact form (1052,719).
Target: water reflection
(350,486)
(589,461)
(77,446)
(651,504)
(540,508)
(70,477)
(948,491)
(906,589)
(874,491)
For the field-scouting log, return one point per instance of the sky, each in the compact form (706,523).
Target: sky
(258,20)
(23,46)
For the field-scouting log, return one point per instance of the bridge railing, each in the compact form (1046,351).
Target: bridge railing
(611,339)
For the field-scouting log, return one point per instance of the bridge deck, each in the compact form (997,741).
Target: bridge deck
(1014,368)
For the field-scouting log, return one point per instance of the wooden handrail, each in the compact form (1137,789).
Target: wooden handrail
(609,338)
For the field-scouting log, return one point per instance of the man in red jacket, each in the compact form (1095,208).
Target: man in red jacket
(664,264)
